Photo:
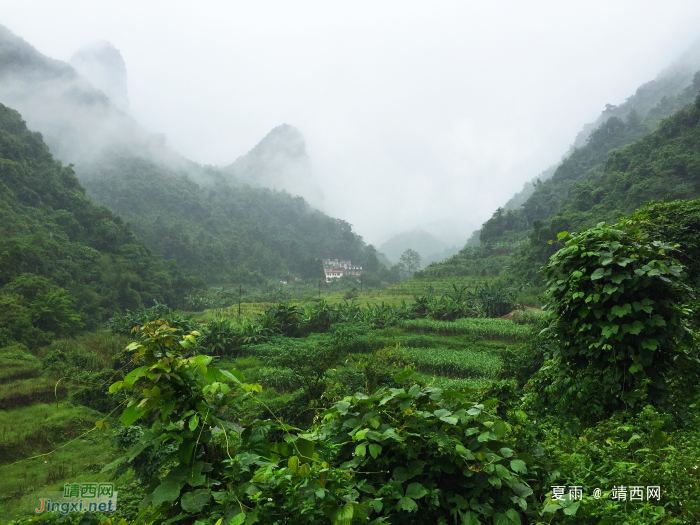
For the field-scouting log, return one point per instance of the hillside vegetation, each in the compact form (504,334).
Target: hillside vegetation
(65,263)
(208,220)
(623,164)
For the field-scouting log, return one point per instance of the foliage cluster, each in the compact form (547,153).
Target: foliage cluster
(367,457)
(65,263)
(618,331)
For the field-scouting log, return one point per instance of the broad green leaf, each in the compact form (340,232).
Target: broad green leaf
(195,501)
(522,490)
(114,464)
(293,464)
(184,451)
(343,515)
(511,517)
(194,421)
(499,429)
(361,450)
(469,518)
(130,414)
(305,448)
(407,504)
(462,451)
(598,274)
(518,465)
(416,491)
(166,491)
(238,519)
(342,407)
(375,450)
(402,376)
(571,509)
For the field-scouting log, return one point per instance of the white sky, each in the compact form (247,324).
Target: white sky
(413,112)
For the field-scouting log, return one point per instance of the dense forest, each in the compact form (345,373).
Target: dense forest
(66,263)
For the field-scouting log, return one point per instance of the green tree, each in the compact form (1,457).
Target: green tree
(411,260)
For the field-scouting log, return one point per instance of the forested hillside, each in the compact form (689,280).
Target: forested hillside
(581,191)
(207,220)
(65,263)
(225,233)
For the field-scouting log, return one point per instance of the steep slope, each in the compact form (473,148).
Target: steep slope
(102,64)
(208,221)
(670,91)
(65,263)
(226,233)
(279,162)
(591,185)
(662,165)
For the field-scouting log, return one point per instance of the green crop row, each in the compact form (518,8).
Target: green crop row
(502,329)
(453,363)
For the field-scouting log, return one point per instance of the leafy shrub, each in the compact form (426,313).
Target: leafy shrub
(379,368)
(218,337)
(419,455)
(618,328)
(91,392)
(642,449)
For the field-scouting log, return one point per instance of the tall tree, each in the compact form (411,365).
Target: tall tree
(411,259)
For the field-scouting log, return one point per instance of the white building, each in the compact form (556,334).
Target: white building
(335,269)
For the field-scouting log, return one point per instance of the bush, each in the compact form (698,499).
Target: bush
(618,328)
(417,455)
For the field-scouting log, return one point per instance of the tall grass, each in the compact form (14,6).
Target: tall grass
(27,392)
(451,363)
(501,329)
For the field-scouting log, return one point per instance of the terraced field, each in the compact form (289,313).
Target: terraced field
(500,329)
(45,438)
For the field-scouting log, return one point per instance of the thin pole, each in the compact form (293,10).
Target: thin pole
(319,287)
(239,299)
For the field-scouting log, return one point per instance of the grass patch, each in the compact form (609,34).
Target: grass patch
(25,392)
(38,429)
(17,363)
(502,329)
(451,363)
(22,484)
(451,383)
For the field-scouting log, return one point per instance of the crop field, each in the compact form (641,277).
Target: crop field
(501,329)
(41,415)
(455,363)
(438,286)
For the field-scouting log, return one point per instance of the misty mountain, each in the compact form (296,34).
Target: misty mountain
(670,91)
(279,162)
(657,98)
(622,166)
(207,220)
(103,66)
(429,247)
(79,122)
(55,243)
